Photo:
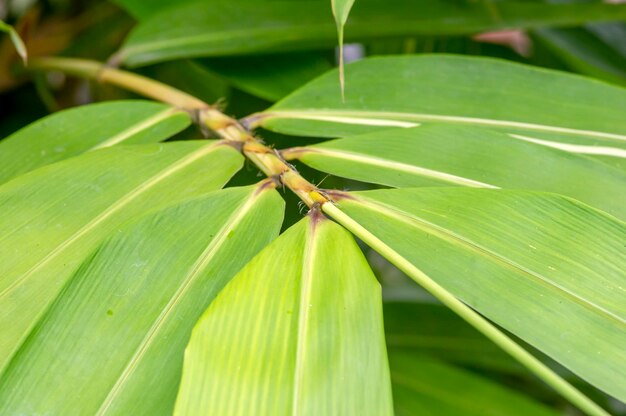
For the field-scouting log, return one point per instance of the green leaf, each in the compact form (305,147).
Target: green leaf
(118,330)
(259,75)
(435,331)
(77,130)
(583,51)
(444,155)
(422,386)
(548,107)
(227,27)
(298,331)
(20,48)
(546,268)
(54,216)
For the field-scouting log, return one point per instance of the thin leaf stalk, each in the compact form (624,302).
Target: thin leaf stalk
(498,337)
(267,160)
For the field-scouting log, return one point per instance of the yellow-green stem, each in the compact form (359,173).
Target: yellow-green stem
(267,160)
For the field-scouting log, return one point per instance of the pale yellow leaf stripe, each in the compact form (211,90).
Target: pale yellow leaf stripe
(303,314)
(111,210)
(196,271)
(575,148)
(137,128)
(389,164)
(380,118)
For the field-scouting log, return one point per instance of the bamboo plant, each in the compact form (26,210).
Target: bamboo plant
(135,280)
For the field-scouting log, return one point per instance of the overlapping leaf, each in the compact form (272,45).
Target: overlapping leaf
(113,341)
(297,331)
(55,215)
(453,155)
(422,386)
(552,108)
(546,268)
(71,132)
(227,27)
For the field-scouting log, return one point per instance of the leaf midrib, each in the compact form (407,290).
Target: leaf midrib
(303,313)
(195,271)
(137,128)
(379,116)
(397,166)
(109,211)
(463,242)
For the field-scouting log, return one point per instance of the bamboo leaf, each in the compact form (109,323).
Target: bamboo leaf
(423,386)
(546,268)
(226,27)
(445,155)
(77,130)
(169,265)
(433,330)
(297,331)
(17,42)
(542,106)
(55,215)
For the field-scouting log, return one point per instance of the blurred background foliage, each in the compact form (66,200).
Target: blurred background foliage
(243,83)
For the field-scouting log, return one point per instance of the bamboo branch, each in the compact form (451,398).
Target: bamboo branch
(267,160)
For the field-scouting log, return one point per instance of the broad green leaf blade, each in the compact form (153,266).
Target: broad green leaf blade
(423,386)
(71,132)
(453,155)
(298,331)
(118,331)
(20,48)
(548,107)
(54,216)
(341,10)
(546,268)
(227,27)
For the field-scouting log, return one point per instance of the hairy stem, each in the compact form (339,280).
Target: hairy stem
(227,128)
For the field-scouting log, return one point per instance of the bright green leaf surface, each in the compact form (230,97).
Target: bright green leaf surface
(425,387)
(71,132)
(297,331)
(445,155)
(546,268)
(227,27)
(575,113)
(118,331)
(55,215)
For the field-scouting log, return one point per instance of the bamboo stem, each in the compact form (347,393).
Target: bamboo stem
(267,160)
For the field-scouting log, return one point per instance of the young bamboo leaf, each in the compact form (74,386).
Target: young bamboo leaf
(425,387)
(463,91)
(55,215)
(341,10)
(16,40)
(77,130)
(546,268)
(200,29)
(117,332)
(453,155)
(297,331)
